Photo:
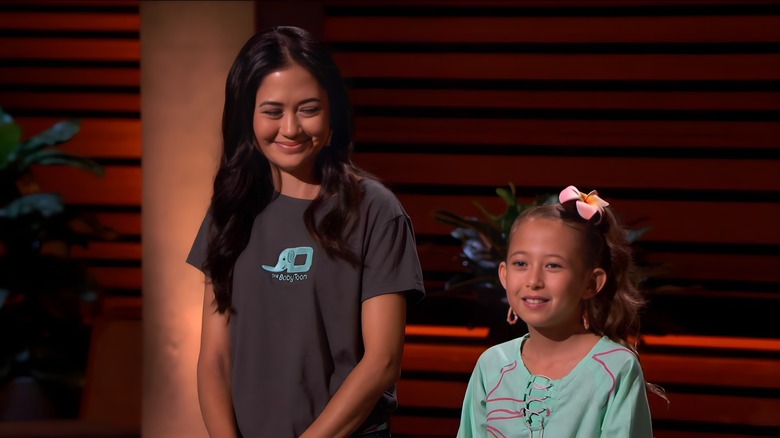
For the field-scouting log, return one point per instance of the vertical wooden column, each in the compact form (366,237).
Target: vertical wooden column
(187,50)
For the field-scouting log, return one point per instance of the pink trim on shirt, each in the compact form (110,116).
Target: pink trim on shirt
(495,432)
(606,368)
(505,369)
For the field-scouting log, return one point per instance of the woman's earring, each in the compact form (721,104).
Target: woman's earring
(511,316)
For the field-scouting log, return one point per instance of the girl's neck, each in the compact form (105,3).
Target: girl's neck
(555,357)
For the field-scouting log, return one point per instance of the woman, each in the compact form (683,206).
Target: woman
(309,260)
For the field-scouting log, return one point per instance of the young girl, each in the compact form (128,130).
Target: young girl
(570,277)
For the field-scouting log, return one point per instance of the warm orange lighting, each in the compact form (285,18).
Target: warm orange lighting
(447,331)
(731,343)
(188,50)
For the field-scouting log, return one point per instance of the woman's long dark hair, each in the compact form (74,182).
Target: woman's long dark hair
(243,186)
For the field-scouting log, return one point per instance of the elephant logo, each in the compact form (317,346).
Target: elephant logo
(287,259)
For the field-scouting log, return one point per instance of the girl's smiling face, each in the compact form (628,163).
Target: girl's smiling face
(546,277)
(292,122)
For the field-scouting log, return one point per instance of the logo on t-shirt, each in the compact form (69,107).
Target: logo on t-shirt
(292,265)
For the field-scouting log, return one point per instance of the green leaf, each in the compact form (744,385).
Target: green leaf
(462,282)
(509,196)
(495,218)
(508,220)
(503,221)
(10,136)
(472,223)
(475,224)
(46,204)
(55,157)
(548,199)
(60,132)
(450,218)
(634,235)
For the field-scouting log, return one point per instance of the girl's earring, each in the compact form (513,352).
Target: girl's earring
(585,322)
(511,316)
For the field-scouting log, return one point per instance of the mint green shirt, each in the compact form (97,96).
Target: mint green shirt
(603,396)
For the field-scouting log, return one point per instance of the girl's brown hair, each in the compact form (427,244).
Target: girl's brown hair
(614,312)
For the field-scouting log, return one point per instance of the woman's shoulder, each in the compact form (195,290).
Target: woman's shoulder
(374,188)
(377,195)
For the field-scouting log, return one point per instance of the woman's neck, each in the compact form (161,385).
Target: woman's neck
(293,187)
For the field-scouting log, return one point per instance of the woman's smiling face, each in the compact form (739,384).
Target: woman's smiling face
(292,121)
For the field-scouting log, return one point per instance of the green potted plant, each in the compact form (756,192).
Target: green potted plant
(44,293)
(483,247)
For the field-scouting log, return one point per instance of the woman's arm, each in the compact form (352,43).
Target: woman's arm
(384,321)
(214,395)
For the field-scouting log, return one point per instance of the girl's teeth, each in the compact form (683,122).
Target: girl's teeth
(534,300)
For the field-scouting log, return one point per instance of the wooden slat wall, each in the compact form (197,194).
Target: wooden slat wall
(81,59)
(671,109)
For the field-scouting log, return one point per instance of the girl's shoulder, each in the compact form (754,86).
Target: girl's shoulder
(614,357)
(606,346)
(505,352)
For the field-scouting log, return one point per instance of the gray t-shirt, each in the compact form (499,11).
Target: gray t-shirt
(296,333)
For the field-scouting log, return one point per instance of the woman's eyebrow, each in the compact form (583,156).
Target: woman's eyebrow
(304,101)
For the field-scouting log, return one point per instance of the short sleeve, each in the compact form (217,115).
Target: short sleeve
(628,413)
(473,416)
(390,261)
(197,255)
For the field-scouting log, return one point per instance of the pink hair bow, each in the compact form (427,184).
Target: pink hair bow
(588,204)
